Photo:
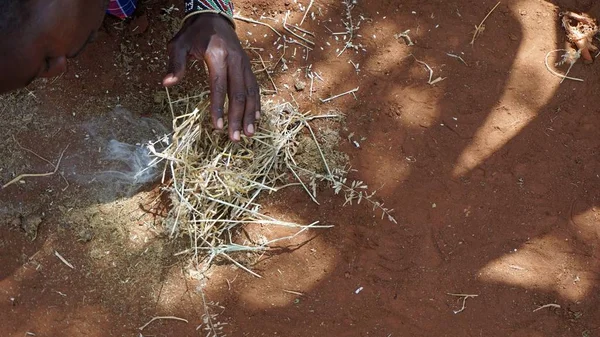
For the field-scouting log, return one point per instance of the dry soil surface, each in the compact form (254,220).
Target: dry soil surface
(492,173)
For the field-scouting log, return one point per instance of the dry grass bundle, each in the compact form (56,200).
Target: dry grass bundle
(216,183)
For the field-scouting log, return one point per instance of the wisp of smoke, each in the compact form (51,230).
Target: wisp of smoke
(113,155)
(130,164)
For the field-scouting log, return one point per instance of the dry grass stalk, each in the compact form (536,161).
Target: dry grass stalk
(248,20)
(566,57)
(211,324)
(352,26)
(551,305)
(163,318)
(325,100)
(63,260)
(306,12)
(479,29)
(464,298)
(215,183)
(267,71)
(35,175)
(430,81)
(288,28)
(404,35)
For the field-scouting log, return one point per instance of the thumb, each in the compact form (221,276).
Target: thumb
(177,62)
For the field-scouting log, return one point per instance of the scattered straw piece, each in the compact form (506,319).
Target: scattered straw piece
(215,183)
(404,35)
(31,175)
(306,12)
(430,81)
(551,305)
(555,73)
(210,319)
(293,292)
(464,301)
(352,26)
(63,260)
(32,152)
(479,29)
(514,266)
(248,20)
(458,57)
(289,30)
(302,30)
(267,71)
(42,158)
(339,95)
(163,317)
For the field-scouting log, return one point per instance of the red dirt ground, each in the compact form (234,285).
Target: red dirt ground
(493,174)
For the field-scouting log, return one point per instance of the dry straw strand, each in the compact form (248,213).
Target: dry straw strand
(215,184)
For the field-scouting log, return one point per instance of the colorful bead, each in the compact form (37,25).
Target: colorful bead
(221,6)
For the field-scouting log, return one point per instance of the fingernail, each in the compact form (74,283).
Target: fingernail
(257,115)
(236,136)
(220,123)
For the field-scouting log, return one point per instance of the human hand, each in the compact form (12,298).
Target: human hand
(211,38)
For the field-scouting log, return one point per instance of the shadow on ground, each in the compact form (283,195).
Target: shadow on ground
(492,173)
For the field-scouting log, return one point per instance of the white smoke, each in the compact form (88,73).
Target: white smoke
(112,155)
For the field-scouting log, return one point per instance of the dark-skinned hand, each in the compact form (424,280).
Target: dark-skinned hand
(211,38)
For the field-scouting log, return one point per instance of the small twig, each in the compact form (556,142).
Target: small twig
(282,58)
(339,95)
(555,73)
(429,81)
(314,137)
(464,301)
(241,18)
(163,317)
(63,260)
(213,328)
(293,292)
(350,26)
(42,158)
(31,151)
(551,305)
(306,12)
(568,71)
(60,293)
(406,38)
(31,93)
(458,57)
(242,266)
(300,43)
(478,28)
(266,71)
(312,82)
(514,266)
(287,28)
(302,30)
(170,103)
(28,175)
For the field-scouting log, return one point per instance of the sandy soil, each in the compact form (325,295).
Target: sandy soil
(492,172)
